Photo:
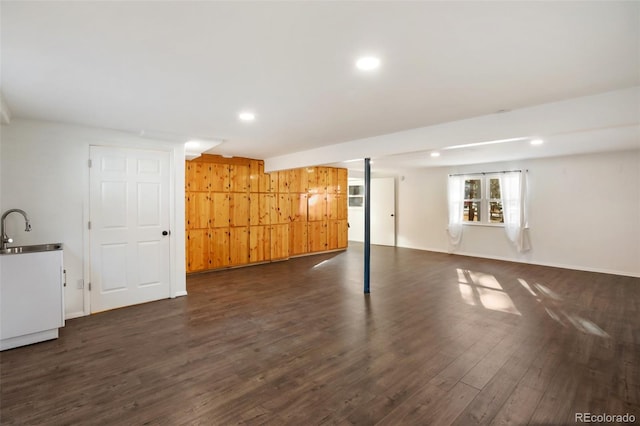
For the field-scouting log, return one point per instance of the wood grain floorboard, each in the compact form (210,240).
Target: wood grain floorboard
(441,340)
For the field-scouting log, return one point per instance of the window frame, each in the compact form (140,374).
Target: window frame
(484,201)
(357,198)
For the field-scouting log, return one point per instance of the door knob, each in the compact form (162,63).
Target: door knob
(165,233)
(392,215)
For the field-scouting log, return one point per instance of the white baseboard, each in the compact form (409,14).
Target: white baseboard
(533,262)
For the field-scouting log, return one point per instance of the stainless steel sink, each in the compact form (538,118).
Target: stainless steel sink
(31,249)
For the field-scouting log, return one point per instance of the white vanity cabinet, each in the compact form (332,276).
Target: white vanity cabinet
(31,297)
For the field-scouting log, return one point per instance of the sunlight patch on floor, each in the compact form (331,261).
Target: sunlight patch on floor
(477,288)
(526,285)
(497,301)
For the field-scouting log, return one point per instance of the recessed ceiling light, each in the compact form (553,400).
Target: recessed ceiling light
(537,142)
(471,145)
(435,154)
(193,144)
(368,63)
(247,116)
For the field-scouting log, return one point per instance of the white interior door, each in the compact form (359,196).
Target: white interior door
(383,223)
(129,215)
(383,211)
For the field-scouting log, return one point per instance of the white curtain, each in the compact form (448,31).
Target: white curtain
(513,187)
(455,196)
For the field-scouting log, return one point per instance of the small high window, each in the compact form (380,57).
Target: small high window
(356,195)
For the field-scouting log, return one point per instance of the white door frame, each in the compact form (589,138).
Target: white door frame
(177,279)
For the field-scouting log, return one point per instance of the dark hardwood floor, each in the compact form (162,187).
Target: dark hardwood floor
(441,340)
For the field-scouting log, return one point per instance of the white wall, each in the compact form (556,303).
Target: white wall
(44,171)
(584,213)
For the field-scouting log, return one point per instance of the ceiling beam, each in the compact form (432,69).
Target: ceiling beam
(620,108)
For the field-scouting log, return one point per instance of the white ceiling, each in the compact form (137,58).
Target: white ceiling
(180,70)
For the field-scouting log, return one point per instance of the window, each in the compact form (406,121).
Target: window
(356,195)
(482,200)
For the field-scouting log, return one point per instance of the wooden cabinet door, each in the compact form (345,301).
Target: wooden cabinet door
(337,234)
(317,177)
(260,206)
(198,210)
(283,181)
(258,180)
(298,181)
(259,243)
(298,212)
(239,178)
(198,176)
(239,209)
(342,186)
(298,238)
(337,180)
(198,250)
(219,247)
(336,206)
(219,210)
(279,241)
(219,177)
(343,233)
(317,236)
(280,209)
(332,180)
(317,209)
(238,245)
(273,182)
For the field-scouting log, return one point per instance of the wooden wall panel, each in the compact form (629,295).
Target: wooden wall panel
(337,180)
(342,186)
(317,209)
(336,206)
(238,245)
(343,233)
(298,181)
(199,177)
(332,180)
(239,209)
(337,231)
(219,210)
(279,241)
(241,215)
(198,210)
(239,178)
(259,243)
(280,209)
(298,238)
(219,177)
(259,181)
(283,181)
(317,177)
(260,206)
(298,210)
(198,250)
(273,182)
(219,247)
(317,236)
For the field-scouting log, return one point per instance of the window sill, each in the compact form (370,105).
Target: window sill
(488,225)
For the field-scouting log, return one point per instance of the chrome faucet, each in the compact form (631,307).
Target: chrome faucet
(27,225)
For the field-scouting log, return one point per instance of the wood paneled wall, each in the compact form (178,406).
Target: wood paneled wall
(237,215)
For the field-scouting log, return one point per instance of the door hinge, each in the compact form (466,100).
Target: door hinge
(89,225)
(90,163)
(89,286)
